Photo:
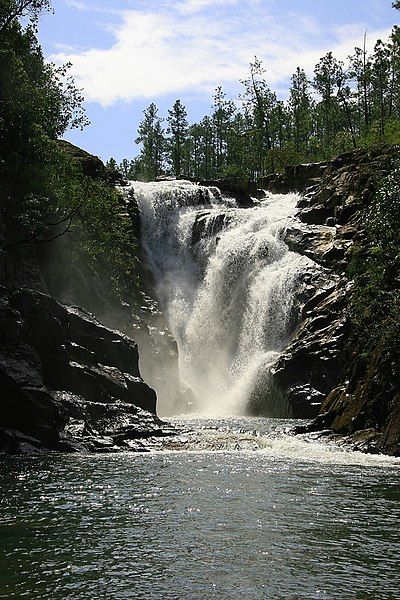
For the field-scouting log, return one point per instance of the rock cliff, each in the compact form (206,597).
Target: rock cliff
(69,382)
(317,375)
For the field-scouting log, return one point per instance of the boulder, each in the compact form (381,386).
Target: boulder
(63,375)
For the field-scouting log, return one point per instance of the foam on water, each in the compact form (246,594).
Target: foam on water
(269,439)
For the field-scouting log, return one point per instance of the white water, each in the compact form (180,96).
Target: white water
(229,298)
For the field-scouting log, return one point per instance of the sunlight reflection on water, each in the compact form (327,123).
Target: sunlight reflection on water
(278,522)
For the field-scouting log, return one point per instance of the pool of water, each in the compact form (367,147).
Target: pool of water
(239,509)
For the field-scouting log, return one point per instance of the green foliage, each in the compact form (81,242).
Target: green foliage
(38,102)
(343,107)
(151,136)
(178,135)
(10,10)
(104,234)
(44,194)
(375,267)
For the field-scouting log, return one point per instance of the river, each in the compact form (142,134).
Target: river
(237,509)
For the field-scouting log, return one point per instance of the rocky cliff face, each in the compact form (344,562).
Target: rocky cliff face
(314,375)
(71,383)
(67,382)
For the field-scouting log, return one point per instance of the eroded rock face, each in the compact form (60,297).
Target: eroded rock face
(207,225)
(242,190)
(67,382)
(311,365)
(311,377)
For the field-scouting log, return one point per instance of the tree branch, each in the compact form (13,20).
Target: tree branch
(33,238)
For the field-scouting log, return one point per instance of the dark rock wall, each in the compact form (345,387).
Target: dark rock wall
(67,382)
(316,374)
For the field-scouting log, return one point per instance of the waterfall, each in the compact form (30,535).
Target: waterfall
(227,284)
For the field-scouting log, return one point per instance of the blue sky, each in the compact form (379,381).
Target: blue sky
(128,53)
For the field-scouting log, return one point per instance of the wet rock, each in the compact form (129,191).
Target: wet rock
(312,363)
(295,178)
(311,241)
(316,215)
(241,189)
(208,224)
(67,382)
(349,399)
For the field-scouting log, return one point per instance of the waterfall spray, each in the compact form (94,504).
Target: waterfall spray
(227,285)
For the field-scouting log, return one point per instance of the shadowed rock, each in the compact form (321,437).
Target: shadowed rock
(67,382)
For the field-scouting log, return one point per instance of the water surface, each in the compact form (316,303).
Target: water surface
(245,511)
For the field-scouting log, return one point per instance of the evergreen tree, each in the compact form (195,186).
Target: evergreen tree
(136,169)
(360,72)
(356,105)
(151,136)
(223,112)
(237,147)
(193,163)
(259,102)
(112,164)
(328,72)
(300,104)
(394,77)
(178,132)
(380,73)
(124,168)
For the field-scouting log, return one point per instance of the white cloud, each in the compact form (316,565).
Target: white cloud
(76,4)
(191,46)
(188,7)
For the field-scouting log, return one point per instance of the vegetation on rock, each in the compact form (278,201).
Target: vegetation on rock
(45,191)
(375,268)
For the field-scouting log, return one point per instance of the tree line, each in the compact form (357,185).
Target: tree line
(343,106)
(44,193)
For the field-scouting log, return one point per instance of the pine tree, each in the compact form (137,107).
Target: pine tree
(124,168)
(223,112)
(380,85)
(259,103)
(394,84)
(151,136)
(360,72)
(300,104)
(328,72)
(112,164)
(178,132)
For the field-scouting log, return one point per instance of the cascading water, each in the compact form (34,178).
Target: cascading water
(227,284)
